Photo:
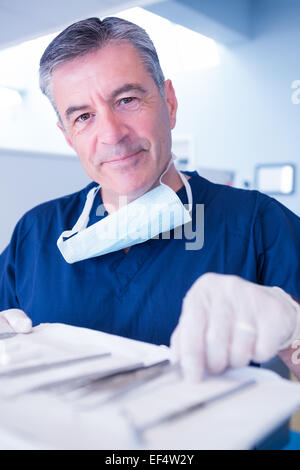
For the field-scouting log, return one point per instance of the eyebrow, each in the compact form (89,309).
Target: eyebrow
(127,87)
(74,109)
(123,89)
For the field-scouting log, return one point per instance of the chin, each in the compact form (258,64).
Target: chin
(132,190)
(134,187)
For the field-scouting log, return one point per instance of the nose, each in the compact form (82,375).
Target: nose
(110,128)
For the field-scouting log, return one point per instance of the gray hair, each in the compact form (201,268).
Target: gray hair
(91,34)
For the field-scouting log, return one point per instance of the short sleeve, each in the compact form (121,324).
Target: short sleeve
(13,263)
(277,235)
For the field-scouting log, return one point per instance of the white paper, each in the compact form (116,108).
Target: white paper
(240,421)
(167,396)
(26,359)
(61,421)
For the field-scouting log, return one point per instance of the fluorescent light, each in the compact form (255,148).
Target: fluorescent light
(179,49)
(196,51)
(9,98)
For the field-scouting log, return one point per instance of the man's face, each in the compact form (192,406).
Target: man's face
(115,118)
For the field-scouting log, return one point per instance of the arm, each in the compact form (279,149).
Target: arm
(227,321)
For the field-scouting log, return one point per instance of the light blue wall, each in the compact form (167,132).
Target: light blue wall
(241,113)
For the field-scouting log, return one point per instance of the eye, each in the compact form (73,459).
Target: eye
(83,117)
(126,100)
(129,103)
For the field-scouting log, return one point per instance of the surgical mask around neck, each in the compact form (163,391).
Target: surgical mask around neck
(157,211)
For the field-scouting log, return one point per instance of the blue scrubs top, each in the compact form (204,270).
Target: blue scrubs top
(139,294)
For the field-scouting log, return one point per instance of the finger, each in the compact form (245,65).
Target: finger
(266,347)
(175,346)
(269,333)
(4,325)
(191,341)
(18,320)
(243,344)
(218,337)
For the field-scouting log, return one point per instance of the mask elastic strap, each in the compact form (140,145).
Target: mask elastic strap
(166,170)
(84,217)
(183,179)
(188,190)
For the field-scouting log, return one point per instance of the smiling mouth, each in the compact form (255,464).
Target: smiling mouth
(123,159)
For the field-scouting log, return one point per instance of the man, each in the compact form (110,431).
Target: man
(217,302)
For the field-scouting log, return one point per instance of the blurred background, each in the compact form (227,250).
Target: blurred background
(236,71)
(235,67)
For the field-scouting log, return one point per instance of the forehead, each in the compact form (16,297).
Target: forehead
(106,69)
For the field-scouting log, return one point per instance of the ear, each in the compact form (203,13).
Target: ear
(171,102)
(60,126)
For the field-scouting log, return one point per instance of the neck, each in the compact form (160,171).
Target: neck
(113,201)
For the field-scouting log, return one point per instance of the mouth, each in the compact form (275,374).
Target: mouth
(124,159)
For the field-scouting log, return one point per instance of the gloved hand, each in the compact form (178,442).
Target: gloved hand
(227,321)
(17,320)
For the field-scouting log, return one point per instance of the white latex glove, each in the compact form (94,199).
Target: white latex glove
(227,322)
(16,319)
